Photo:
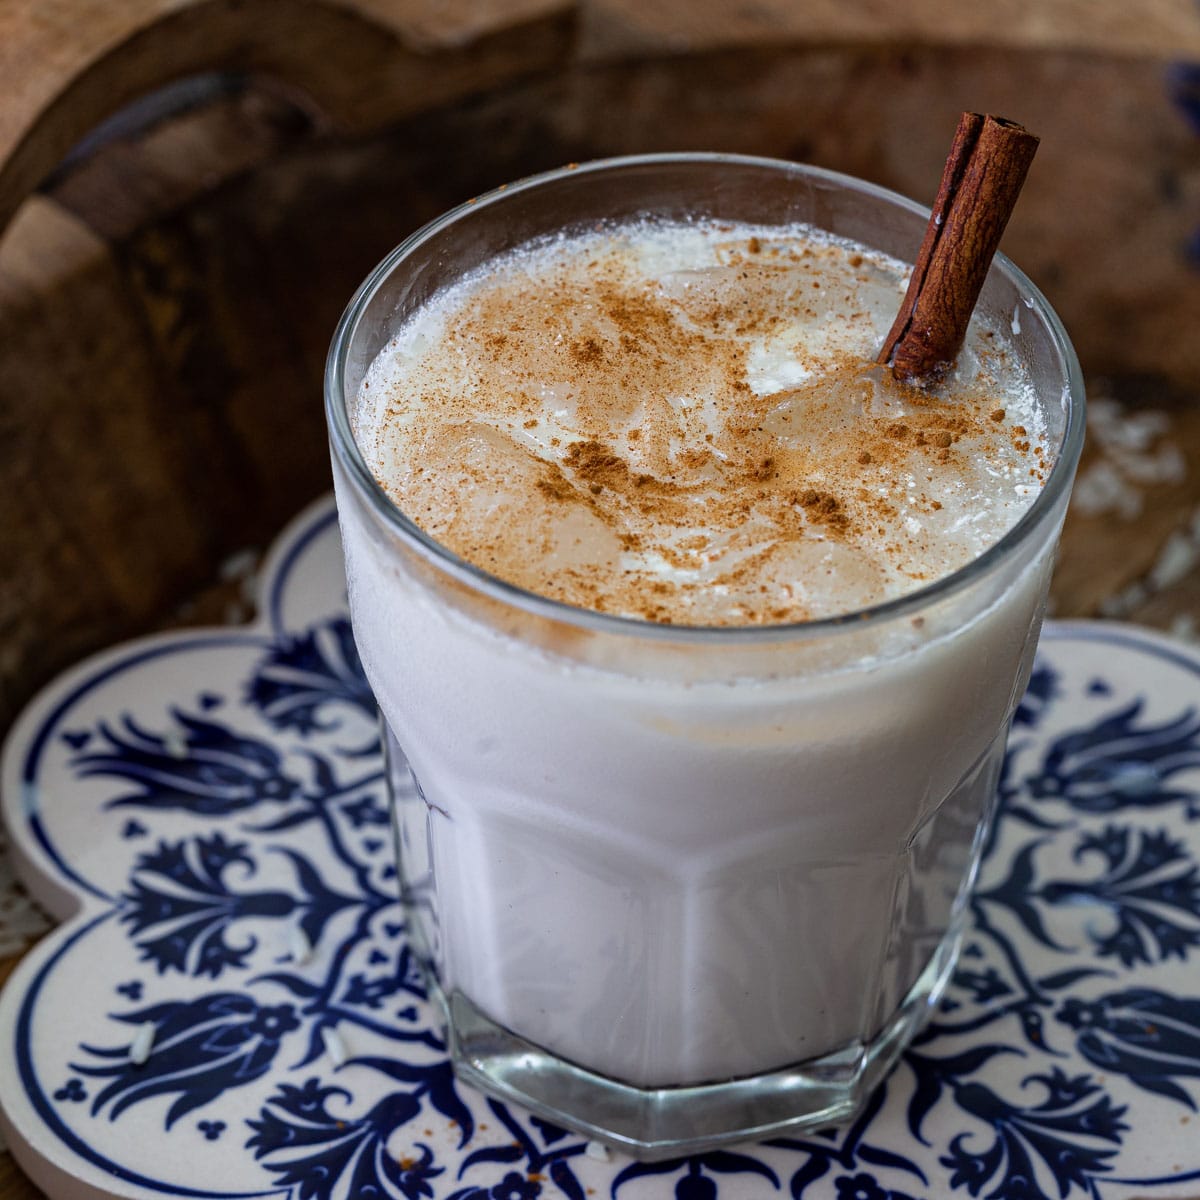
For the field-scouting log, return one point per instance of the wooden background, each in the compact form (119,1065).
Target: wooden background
(191,189)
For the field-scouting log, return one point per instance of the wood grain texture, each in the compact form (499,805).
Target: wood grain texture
(68,64)
(169,162)
(162,333)
(65,506)
(166,300)
(1107,563)
(1153,28)
(14,1183)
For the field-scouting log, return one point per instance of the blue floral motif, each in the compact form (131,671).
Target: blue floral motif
(1117,764)
(308,674)
(318,1154)
(1019,893)
(1043,689)
(695,1183)
(858,1187)
(365,812)
(1014,1089)
(1149,895)
(434,1082)
(1061,1132)
(372,992)
(983,985)
(211,771)
(849,1151)
(1144,1034)
(542,1150)
(511,1187)
(201,1047)
(180,898)
(1151,888)
(864,1187)
(1008,791)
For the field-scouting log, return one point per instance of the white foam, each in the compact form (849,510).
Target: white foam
(500,353)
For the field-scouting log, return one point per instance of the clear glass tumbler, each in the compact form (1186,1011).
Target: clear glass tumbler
(676,887)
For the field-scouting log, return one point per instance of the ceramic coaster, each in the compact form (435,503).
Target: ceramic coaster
(230,1008)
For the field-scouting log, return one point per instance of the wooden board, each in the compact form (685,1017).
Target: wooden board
(68,64)
(167,288)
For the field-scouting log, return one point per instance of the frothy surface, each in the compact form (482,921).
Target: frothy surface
(682,423)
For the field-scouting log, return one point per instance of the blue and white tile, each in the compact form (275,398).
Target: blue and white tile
(205,811)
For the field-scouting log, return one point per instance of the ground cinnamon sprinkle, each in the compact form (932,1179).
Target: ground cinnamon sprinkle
(587,350)
(599,439)
(594,461)
(823,508)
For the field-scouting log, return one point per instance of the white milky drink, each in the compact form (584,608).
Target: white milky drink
(699,634)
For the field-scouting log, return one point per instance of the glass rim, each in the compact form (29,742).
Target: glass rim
(465,572)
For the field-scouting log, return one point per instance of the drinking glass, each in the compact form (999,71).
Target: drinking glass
(678,886)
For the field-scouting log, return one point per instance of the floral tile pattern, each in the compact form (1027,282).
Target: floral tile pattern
(231,1008)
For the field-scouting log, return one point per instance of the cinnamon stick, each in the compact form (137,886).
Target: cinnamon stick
(988,162)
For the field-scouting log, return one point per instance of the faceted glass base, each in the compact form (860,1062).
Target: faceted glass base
(658,1123)
(653,1122)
